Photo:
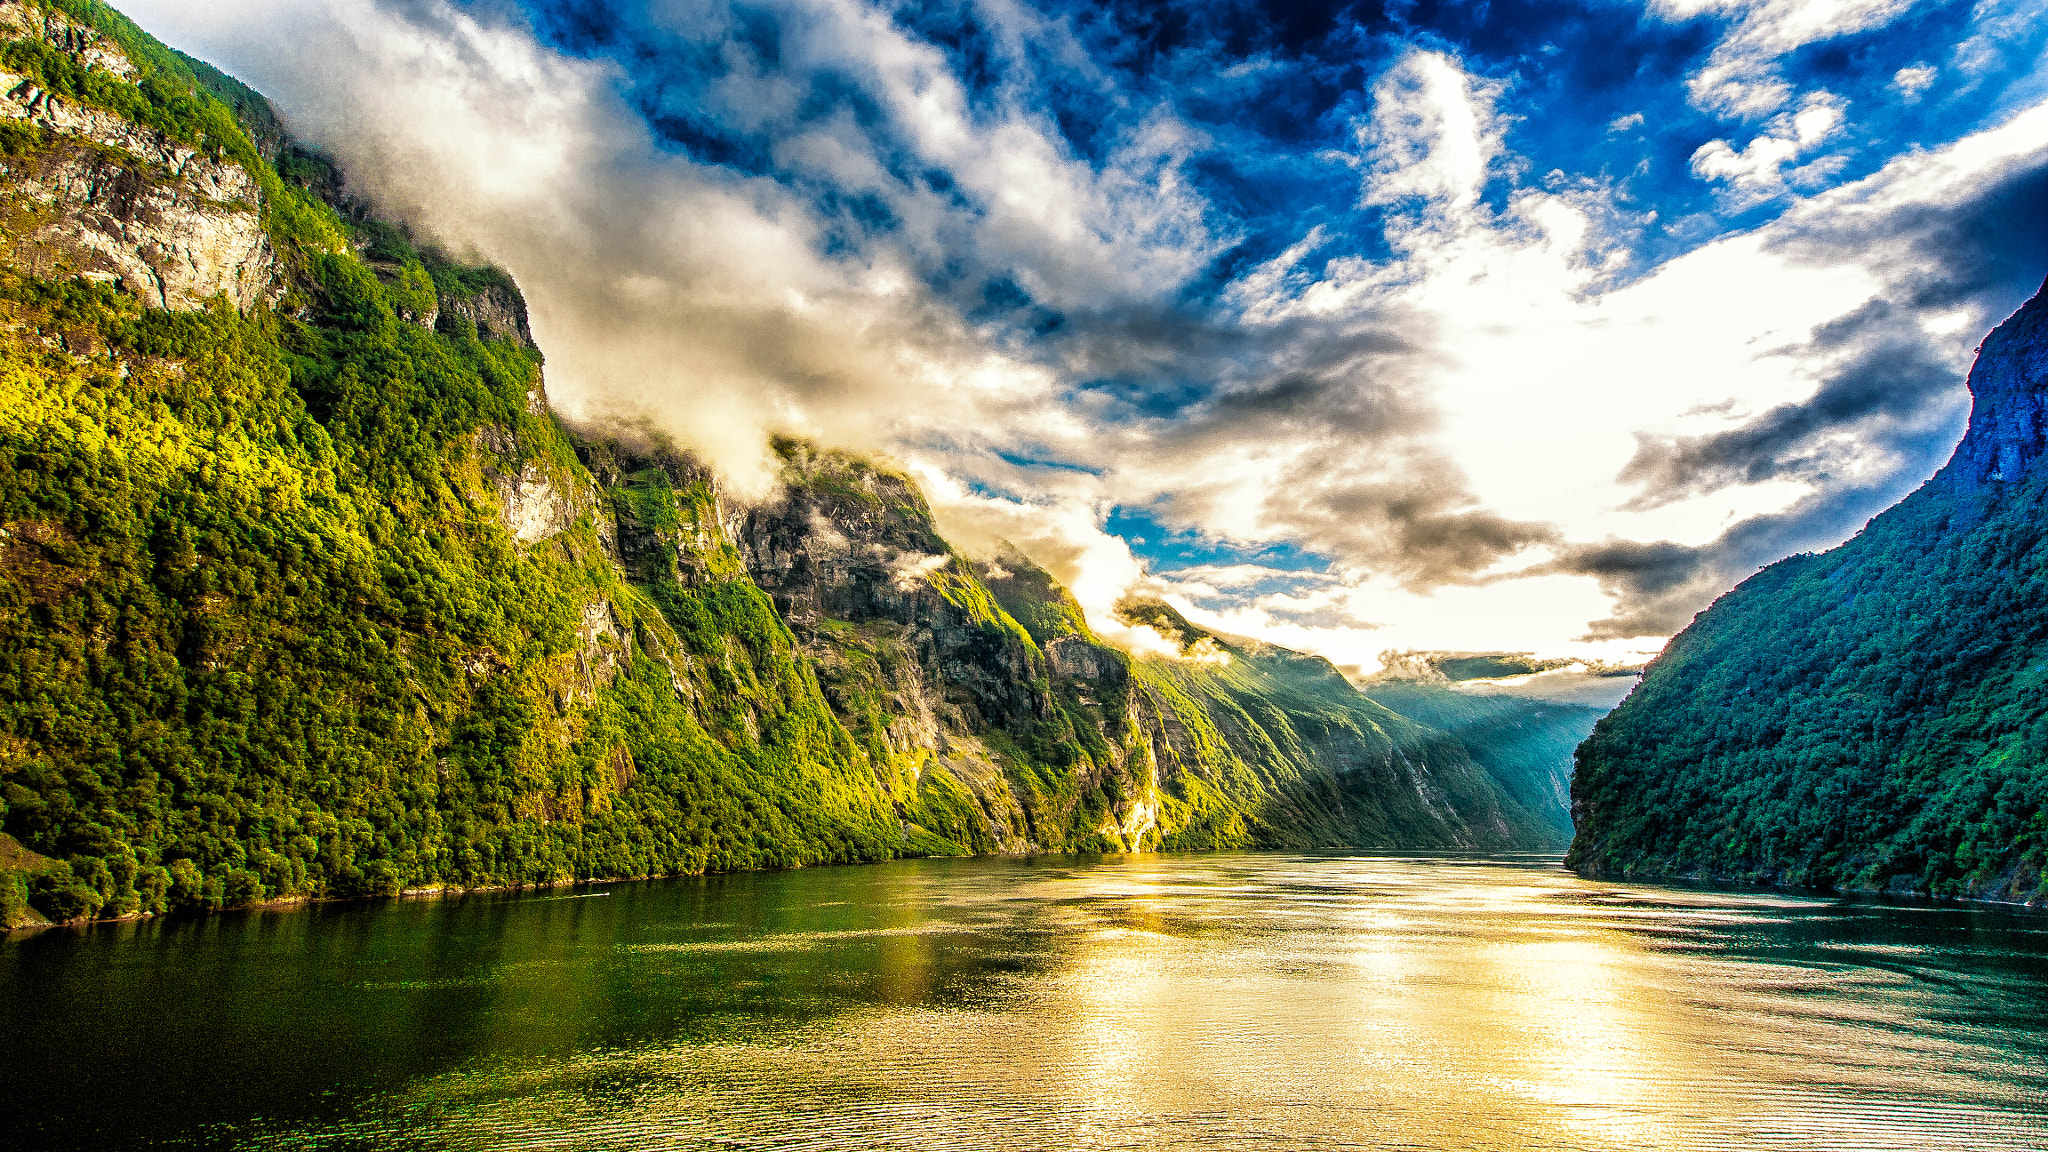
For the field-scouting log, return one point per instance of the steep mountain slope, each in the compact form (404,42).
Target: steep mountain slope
(999,722)
(1525,745)
(305,592)
(1871,717)
(317,599)
(1247,720)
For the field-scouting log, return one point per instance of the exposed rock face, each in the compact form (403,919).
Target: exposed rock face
(847,542)
(910,648)
(534,511)
(602,649)
(1076,658)
(535,502)
(664,511)
(109,200)
(499,314)
(92,50)
(2009,386)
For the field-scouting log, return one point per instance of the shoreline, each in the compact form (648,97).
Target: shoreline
(436,892)
(1878,894)
(445,892)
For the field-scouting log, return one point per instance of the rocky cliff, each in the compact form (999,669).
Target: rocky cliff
(92,193)
(1874,717)
(2009,414)
(305,592)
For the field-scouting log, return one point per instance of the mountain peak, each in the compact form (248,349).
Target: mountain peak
(2009,418)
(1870,717)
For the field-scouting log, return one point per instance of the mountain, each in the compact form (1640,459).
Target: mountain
(1874,717)
(1518,717)
(1525,744)
(305,591)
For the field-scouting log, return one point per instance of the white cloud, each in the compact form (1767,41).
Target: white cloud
(1443,425)
(1062,532)
(1997,29)
(1759,170)
(1741,77)
(1909,82)
(1542,380)
(706,301)
(1433,135)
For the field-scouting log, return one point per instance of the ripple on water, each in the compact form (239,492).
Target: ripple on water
(1255,1001)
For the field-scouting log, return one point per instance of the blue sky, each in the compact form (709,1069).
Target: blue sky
(1356,327)
(1592,92)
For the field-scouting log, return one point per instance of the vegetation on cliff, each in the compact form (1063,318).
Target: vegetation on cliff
(1526,745)
(315,597)
(265,635)
(1341,768)
(1871,717)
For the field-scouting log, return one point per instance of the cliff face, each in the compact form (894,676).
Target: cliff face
(913,654)
(848,543)
(2009,416)
(90,193)
(1871,717)
(305,592)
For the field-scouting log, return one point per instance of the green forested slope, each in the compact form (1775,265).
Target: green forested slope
(1287,753)
(305,593)
(263,632)
(1871,717)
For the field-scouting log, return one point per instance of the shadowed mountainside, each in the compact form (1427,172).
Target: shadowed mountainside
(1873,717)
(1526,745)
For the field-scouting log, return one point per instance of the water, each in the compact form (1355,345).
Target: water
(1271,1001)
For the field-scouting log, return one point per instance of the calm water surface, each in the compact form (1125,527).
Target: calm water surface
(1267,1001)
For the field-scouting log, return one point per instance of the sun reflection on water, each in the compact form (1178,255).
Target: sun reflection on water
(1242,1001)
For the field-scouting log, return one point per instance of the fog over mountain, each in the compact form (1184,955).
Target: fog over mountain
(1360,328)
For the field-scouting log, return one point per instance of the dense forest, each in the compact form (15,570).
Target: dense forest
(262,637)
(306,593)
(1874,717)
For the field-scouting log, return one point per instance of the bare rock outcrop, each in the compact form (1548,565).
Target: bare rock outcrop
(535,502)
(85,45)
(534,509)
(602,649)
(1079,658)
(115,201)
(109,200)
(847,542)
(2009,417)
(499,313)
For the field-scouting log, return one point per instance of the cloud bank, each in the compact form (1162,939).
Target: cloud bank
(1341,330)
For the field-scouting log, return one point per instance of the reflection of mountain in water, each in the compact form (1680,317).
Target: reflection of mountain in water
(1254,1001)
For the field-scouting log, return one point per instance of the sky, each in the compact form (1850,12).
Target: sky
(1522,326)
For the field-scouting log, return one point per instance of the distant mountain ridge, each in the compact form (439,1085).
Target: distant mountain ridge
(1873,717)
(1525,744)
(305,592)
